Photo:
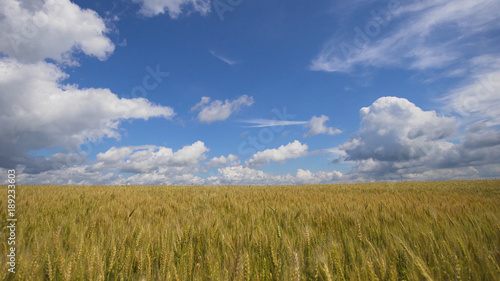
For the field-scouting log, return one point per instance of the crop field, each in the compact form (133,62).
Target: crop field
(379,231)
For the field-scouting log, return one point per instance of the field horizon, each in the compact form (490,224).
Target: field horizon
(264,185)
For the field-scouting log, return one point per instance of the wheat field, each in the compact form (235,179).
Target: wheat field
(379,231)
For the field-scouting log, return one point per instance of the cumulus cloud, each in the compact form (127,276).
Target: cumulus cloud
(38,111)
(421,35)
(218,110)
(240,175)
(244,175)
(317,126)
(156,178)
(150,159)
(34,30)
(392,129)
(307,177)
(223,161)
(281,154)
(174,8)
(396,137)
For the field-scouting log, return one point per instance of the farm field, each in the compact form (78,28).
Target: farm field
(378,231)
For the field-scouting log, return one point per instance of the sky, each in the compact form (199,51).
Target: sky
(208,92)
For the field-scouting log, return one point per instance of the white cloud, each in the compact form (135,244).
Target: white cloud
(34,30)
(81,175)
(317,125)
(244,175)
(204,100)
(477,102)
(423,35)
(396,137)
(260,123)
(156,178)
(307,177)
(156,165)
(394,128)
(223,58)
(154,168)
(223,161)
(290,151)
(218,110)
(152,159)
(37,111)
(239,175)
(190,155)
(77,175)
(174,8)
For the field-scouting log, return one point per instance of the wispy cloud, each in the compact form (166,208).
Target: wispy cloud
(224,58)
(260,123)
(424,35)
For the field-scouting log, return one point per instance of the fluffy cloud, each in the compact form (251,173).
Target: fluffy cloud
(396,137)
(218,110)
(38,112)
(394,128)
(420,35)
(34,30)
(151,159)
(307,177)
(239,175)
(317,126)
(174,8)
(156,178)
(290,151)
(223,161)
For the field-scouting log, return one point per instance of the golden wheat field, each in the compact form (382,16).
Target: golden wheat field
(380,231)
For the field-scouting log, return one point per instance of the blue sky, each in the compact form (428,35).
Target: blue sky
(249,92)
